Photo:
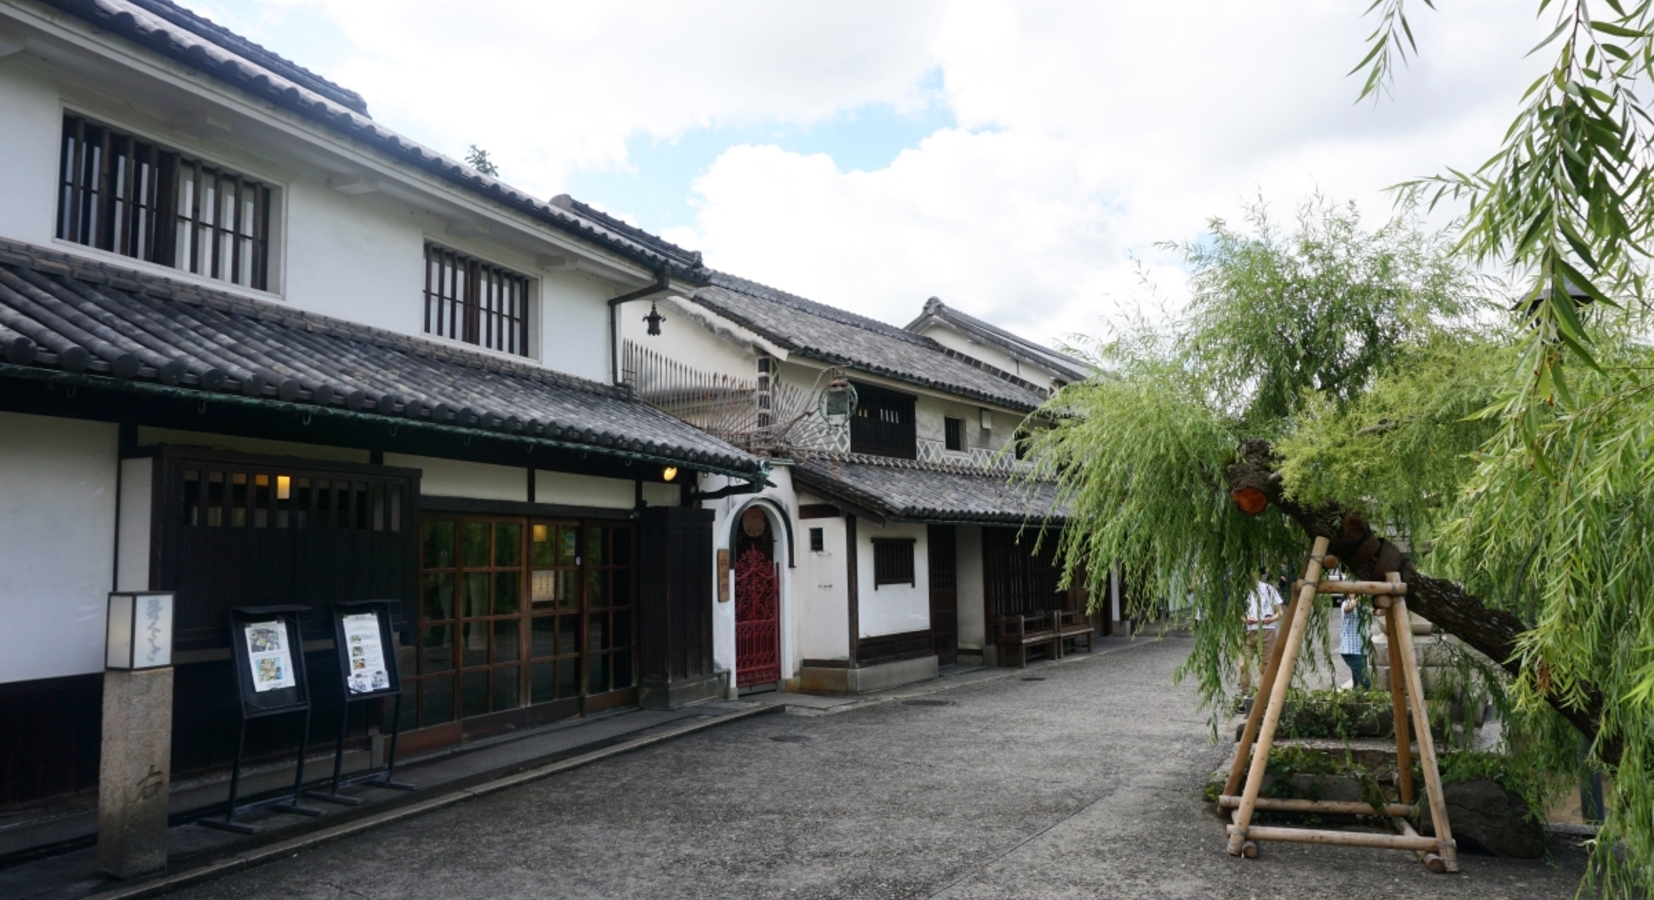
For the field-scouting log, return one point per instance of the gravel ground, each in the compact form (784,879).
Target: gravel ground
(1083,784)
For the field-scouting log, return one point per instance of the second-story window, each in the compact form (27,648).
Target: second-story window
(953,433)
(476,302)
(138,199)
(883,424)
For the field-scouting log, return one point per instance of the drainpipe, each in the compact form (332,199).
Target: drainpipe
(660,286)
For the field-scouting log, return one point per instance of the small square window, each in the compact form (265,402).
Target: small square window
(818,542)
(954,432)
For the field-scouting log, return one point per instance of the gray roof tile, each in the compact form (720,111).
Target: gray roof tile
(843,338)
(62,312)
(920,492)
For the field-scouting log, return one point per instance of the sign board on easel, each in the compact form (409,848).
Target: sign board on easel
(366,644)
(268,655)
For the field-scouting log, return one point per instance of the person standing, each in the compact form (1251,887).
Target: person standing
(1352,641)
(1263,616)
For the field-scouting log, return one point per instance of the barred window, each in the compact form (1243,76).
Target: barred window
(475,302)
(893,562)
(139,199)
(954,433)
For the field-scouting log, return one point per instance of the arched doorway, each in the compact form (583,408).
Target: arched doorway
(757,601)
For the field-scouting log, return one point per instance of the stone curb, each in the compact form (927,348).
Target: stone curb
(291,847)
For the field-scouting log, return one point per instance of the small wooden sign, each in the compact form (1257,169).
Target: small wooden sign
(723,576)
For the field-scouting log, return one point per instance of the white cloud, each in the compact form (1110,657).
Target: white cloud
(1087,131)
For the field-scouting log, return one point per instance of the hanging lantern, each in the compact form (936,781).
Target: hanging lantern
(654,318)
(838,402)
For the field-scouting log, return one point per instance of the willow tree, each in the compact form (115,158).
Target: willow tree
(1378,396)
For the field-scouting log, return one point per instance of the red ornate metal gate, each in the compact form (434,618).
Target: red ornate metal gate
(757,620)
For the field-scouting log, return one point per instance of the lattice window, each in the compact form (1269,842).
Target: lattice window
(138,199)
(893,562)
(884,423)
(954,433)
(476,302)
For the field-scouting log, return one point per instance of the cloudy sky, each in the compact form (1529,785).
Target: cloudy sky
(1021,160)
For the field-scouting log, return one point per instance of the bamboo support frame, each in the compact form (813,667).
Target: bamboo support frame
(1277,699)
(1438,853)
(1373,588)
(1342,807)
(1398,712)
(1341,838)
(1254,717)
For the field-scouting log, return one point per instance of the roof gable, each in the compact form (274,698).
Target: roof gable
(1016,346)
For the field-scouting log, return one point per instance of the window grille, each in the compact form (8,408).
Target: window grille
(954,433)
(893,562)
(883,424)
(472,301)
(138,199)
(818,542)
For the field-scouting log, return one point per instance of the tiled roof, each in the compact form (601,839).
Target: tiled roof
(61,312)
(844,338)
(919,492)
(1067,367)
(235,43)
(216,52)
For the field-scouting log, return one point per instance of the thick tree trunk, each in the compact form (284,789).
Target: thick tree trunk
(1368,556)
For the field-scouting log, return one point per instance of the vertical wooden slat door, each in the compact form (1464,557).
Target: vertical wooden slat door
(944,593)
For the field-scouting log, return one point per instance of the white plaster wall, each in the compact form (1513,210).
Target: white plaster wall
(574,324)
(973,625)
(823,607)
(453,478)
(31,125)
(893,608)
(684,338)
(568,489)
(993,356)
(657,494)
(136,524)
(57,544)
(356,258)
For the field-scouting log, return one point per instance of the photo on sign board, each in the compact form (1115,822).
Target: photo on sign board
(369,670)
(268,656)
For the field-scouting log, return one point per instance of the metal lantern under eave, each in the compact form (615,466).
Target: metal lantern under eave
(654,318)
(838,402)
(139,630)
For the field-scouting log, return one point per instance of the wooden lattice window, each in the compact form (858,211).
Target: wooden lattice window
(893,562)
(479,303)
(953,433)
(138,199)
(884,424)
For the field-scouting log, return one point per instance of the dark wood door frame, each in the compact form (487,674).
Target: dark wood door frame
(942,544)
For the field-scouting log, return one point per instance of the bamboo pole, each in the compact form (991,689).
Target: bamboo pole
(1343,807)
(1361,587)
(1341,838)
(1254,717)
(1277,700)
(1427,743)
(1430,858)
(1398,707)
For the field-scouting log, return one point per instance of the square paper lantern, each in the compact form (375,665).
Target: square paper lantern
(140,630)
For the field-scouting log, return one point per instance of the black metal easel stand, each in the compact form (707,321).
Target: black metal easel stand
(288,805)
(385,779)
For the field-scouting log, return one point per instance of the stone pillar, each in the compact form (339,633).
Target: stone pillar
(134,771)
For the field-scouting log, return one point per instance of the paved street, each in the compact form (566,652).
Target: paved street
(1084,784)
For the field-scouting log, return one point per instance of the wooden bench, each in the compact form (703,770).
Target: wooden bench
(1070,627)
(1022,632)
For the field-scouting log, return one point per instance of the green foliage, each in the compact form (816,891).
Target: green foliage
(1279,323)
(478,158)
(1327,306)
(1338,715)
